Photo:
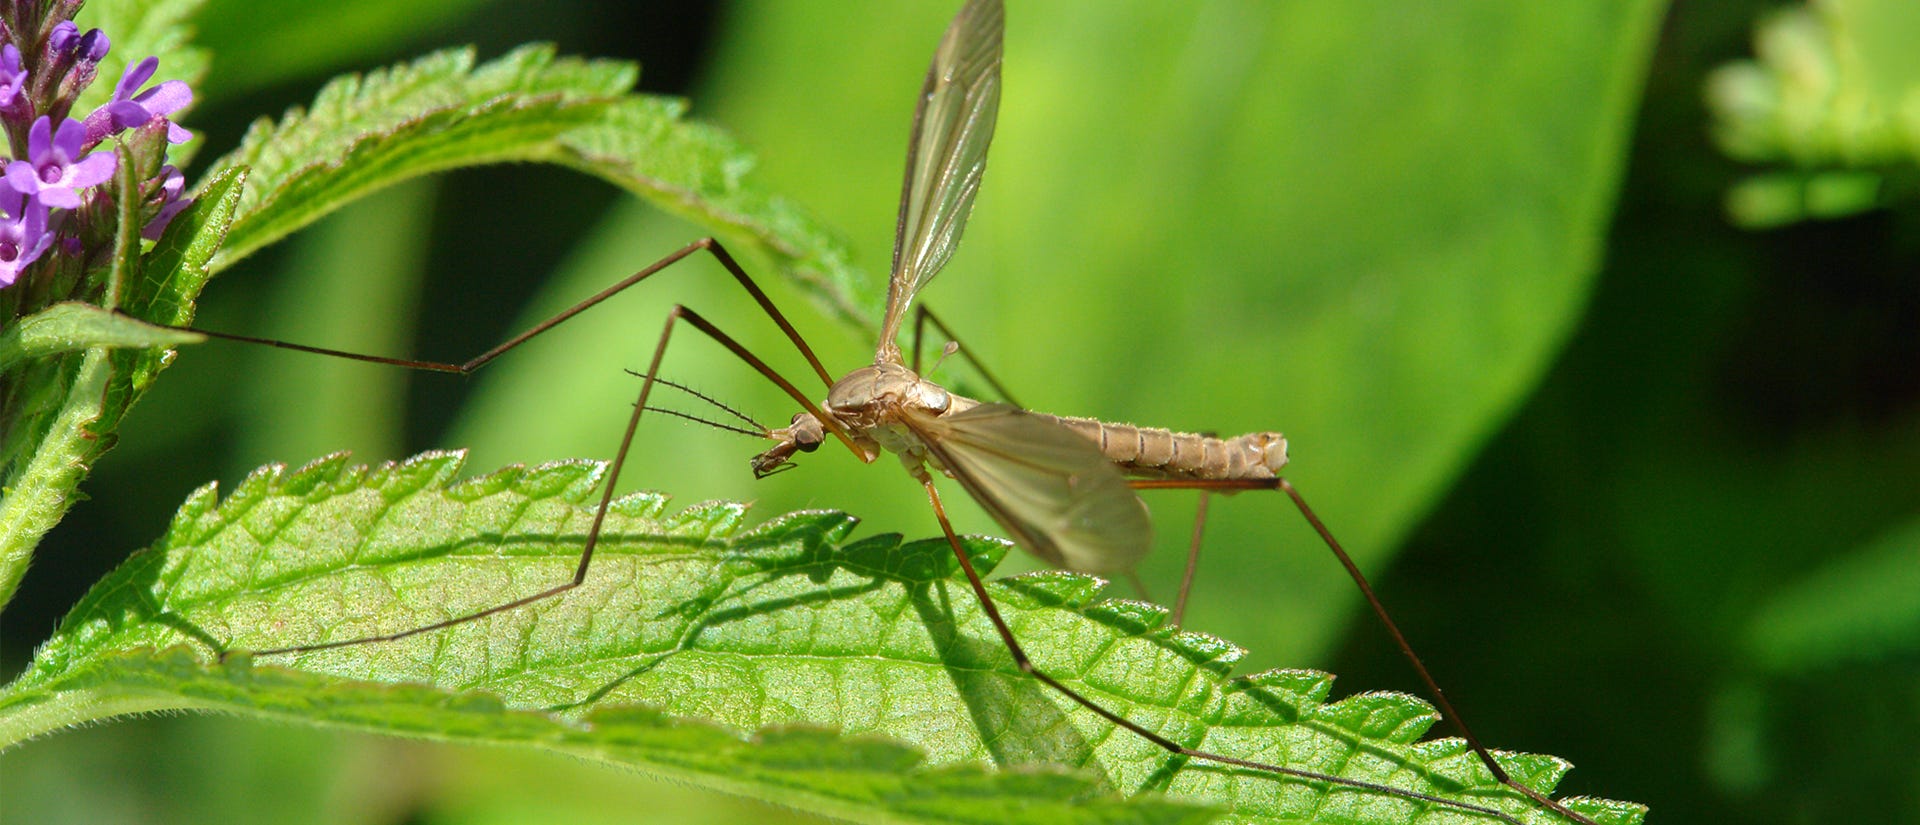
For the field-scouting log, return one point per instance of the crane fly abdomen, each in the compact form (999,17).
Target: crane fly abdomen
(1154,452)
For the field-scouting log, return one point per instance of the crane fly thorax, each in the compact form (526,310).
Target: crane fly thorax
(877,396)
(875,401)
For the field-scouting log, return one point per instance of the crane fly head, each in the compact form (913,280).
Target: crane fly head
(803,435)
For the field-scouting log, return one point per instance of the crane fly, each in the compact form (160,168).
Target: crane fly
(1063,488)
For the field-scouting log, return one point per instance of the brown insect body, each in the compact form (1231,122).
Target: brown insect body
(1156,452)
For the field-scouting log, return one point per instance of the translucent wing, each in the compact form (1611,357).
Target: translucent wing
(1047,485)
(945,158)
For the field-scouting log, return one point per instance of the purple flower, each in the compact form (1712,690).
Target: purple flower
(66,39)
(128,109)
(93,46)
(23,233)
(63,37)
(54,172)
(172,184)
(13,79)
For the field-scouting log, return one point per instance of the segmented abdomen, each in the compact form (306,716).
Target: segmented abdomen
(1153,452)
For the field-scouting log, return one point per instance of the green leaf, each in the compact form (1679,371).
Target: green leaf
(1858,608)
(695,647)
(698,172)
(440,112)
(809,768)
(124,266)
(178,264)
(434,114)
(69,327)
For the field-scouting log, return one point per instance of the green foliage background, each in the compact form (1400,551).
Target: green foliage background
(1617,483)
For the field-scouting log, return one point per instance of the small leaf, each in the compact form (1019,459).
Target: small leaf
(70,326)
(177,266)
(695,646)
(125,265)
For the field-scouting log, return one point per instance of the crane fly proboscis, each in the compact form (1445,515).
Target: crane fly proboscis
(1063,488)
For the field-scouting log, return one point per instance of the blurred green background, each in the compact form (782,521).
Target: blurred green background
(1637,482)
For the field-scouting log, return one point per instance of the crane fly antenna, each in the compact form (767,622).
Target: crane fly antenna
(759,429)
(718,425)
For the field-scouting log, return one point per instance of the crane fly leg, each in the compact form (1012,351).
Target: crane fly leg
(676,314)
(710,245)
(1438,696)
(1026,666)
(921,318)
(1193,557)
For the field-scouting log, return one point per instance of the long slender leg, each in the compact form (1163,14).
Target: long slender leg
(469,366)
(712,246)
(1193,553)
(1193,557)
(674,315)
(1438,696)
(1026,666)
(923,316)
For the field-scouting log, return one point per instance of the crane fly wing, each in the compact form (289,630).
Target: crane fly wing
(1047,485)
(952,126)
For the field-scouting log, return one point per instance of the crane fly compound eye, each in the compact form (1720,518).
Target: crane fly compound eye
(806,432)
